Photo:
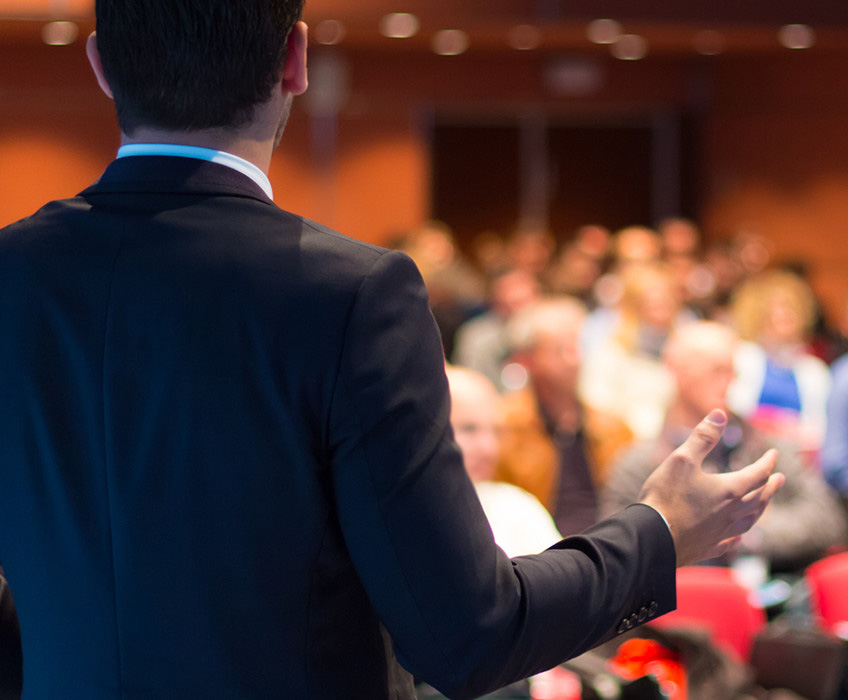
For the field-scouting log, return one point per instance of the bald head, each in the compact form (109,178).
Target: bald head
(700,357)
(476,420)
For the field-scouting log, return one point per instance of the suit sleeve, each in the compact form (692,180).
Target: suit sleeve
(463,616)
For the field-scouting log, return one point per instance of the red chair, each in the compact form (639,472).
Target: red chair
(827,582)
(709,598)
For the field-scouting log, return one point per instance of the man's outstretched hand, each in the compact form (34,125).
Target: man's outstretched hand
(708,512)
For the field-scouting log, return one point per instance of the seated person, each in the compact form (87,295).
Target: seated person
(780,386)
(481,342)
(520,523)
(624,375)
(803,520)
(553,445)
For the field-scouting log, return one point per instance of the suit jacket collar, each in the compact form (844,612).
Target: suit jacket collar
(172,174)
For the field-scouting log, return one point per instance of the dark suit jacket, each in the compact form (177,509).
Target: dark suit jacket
(227,465)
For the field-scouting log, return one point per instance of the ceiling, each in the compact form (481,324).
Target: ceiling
(668,26)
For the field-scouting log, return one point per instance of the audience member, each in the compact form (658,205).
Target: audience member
(553,446)
(529,248)
(521,525)
(636,245)
(624,375)
(834,452)
(803,520)
(731,260)
(482,343)
(579,265)
(487,251)
(632,246)
(682,253)
(780,386)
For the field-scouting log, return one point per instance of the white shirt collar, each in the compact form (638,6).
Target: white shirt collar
(221,157)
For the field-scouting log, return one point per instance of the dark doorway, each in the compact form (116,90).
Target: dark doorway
(614,173)
(599,175)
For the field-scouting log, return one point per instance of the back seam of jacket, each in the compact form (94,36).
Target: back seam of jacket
(108,499)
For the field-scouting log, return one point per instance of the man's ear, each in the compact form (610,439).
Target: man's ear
(96,65)
(294,80)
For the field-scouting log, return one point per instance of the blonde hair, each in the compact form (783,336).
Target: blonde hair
(750,303)
(636,281)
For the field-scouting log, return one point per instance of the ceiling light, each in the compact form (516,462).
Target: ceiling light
(329,32)
(797,36)
(399,25)
(525,37)
(59,33)
(630,47)
(450,42)
(604,31)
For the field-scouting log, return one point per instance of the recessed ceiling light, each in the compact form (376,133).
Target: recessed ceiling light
(630,47)
(450,42)
(399,25)
(59,33)
(525,37)
(797,36)
(329,32)
(603,31)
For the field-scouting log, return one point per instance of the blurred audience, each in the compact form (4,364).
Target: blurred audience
(482,343)
(780,386)
(803,520)
(624,374)
(551,393)
(521,525)
(630,247)
(696,282)
(488,253)
(578,266)
(731,260)
(636,244)
(553,446)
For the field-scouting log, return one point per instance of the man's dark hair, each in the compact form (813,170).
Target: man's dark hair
(192,64)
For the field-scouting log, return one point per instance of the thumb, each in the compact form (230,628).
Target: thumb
(704,437)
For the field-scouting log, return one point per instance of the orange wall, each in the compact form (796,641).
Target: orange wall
(777,161)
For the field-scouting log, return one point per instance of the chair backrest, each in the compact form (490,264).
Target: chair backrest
(710,598)
(827,582)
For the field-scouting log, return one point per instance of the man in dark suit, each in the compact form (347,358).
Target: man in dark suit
(228,470)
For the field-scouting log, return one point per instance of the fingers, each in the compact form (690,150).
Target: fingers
(752,479)
(754,503)
(704,437)
(725,546)
(764,494)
